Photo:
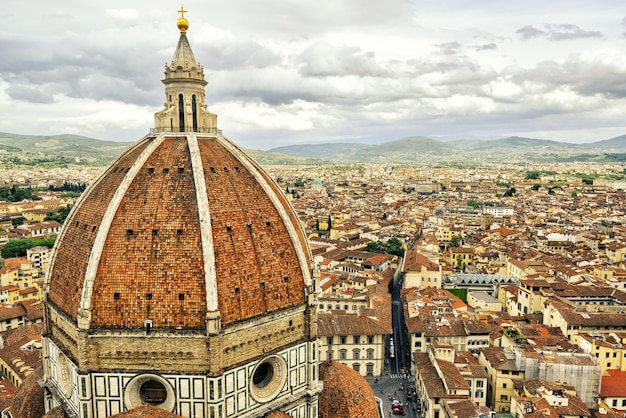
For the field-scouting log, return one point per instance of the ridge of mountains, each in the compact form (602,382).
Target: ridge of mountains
(64,148)
(424,150)
(408,150)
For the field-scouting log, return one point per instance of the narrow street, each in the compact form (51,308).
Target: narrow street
(397,383)
(388,388)
(397,359)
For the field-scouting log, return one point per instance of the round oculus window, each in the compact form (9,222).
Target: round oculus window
(149,389)
(268,379)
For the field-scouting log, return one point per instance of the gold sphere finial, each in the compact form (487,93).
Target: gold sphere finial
(182,23)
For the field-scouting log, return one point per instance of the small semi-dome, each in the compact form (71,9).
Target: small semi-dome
(346,393)
(145,411)
(28,400)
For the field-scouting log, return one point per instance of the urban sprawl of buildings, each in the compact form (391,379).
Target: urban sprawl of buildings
(511,287)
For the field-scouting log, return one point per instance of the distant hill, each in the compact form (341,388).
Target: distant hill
(617,143)
(409,150)
(424,150)
(69,147)
(323,151)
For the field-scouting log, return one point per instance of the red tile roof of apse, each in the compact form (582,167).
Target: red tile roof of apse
(346,393)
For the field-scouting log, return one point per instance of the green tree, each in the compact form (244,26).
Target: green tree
(532,175)
(60,215)
(375,247)
(455,241)
(17,194)
(392,246)
(473,204)
(510,192)
(395,247)
(18,248)
(536,187)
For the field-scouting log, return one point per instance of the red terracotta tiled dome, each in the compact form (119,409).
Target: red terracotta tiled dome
(28,401)
(146,411)
(56,412)
(178,226)
(346,393)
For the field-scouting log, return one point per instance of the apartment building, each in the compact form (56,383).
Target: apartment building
(353,340)
(501,372)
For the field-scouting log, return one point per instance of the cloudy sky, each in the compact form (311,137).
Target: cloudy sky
(283,72)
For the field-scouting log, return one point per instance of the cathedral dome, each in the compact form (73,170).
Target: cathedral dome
(183,228)
(182,278)
(181,225)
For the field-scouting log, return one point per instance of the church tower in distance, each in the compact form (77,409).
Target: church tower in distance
(182,279)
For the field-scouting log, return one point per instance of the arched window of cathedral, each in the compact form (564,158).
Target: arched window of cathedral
(181,113)
(194,113)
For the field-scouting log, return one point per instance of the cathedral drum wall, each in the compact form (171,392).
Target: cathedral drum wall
(156,352)
(279,380)
(263,335)
(63,331)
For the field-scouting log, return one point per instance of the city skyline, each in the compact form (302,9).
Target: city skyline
(280,74)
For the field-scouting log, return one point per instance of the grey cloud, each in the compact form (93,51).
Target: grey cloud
(62,64)
(528,32)
(325,60)
(588,78)
(557,32)
(486,47)
(453,71)
(289,16)
(237,55)
(448,48)
(29,94)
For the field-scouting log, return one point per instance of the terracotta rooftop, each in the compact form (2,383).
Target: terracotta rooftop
(613,384)
(28,401)
(56,412)
(346,393)
(348,324)
(146,411)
